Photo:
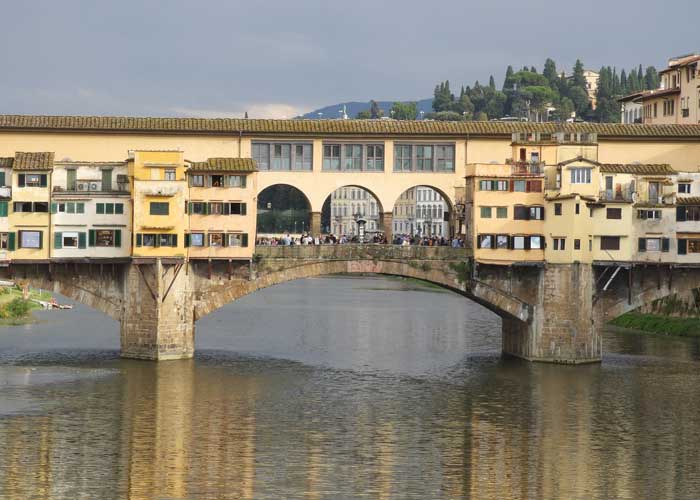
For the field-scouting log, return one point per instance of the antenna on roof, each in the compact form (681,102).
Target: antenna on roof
(246,115)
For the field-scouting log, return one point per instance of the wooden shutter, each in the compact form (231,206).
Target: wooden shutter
(665,244)
(173,241)
(81,240)
(42,180)
(3,209)
(57,241)
(91,238)
(119,208)
(244,208)
(21,180)
(41,239)
(80,208)
(227,209)
(187,240)
(100,208)
(680,214)
(682,246)
(54,208)
(2,179)
(117,238)
(138,240)
(244,240)
(11,241)
(478,241)
(244,180)
(642,245)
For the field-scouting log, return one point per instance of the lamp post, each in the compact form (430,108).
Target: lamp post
(360,221)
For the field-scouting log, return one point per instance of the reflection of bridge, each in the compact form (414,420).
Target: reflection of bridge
(553,312)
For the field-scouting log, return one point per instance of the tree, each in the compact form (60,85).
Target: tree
(404,110)
(550,72)
(443,98)
(651,78)
(578,80)
(492,83)
(564,109)
(363,115)
(482,117)
(508,80)
(374,110)
(445,116)
(495,107)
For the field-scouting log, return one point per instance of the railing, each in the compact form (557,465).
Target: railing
(526,168)
(5,192)
(91,187)
(620,193)
(361,252)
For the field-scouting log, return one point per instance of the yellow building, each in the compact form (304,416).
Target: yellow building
(158,185)
(29,217)
(222,209)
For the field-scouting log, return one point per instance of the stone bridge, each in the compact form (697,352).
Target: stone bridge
(549,312)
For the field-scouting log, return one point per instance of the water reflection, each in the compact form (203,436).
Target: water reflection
(227,426)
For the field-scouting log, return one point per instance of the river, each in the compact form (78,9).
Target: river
(343,388)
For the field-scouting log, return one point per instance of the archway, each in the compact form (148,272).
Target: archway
(351,211)
(423,211)
(283,209)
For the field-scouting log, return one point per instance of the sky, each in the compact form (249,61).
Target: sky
(279,59)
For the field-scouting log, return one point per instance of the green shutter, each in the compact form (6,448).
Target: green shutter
(109,208)
(11,241)
(118,208)
(642,244)
(57,242)
(173,241)
(21,180)
(243,180)
(227,209)
(190,207)
(2,179)
(244,240)
(682,246)
(81,240)
(91,238)
(138,240)
(100,208)
(80,208)
(70,207)
(42,180)
(244,209)
(3,209)
(41,239)
(117,238)
(206,208)
(187,240)
(54,208)
(665,244)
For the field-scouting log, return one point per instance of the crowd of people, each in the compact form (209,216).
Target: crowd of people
(376,238)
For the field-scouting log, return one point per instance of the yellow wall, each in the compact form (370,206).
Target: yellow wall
(21,221)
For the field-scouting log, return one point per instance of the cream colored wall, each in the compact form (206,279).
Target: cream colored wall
(30,221)
(570,226)
(660,119)
(480,150)
(682,156)
(591,189)
(225,223)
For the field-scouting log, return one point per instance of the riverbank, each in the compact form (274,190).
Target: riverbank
(15,309)
(659,325)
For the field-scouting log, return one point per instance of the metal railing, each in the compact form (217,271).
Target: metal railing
(624,193)
(526,168)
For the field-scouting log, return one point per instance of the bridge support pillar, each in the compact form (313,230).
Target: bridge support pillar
(388,225)
(157,320)
(316,223)
(563,327)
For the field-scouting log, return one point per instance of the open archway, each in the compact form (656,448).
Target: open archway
(351,210)
(423,211)
(283,209)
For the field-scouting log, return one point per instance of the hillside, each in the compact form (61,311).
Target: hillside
(354,107)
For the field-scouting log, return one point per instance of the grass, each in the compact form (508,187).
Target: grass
(661,325)
(14,310)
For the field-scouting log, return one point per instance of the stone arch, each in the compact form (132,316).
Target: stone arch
(400,220)
(215,294)
(327,214)
(268,196)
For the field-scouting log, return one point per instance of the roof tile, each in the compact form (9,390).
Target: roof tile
(33,161)
(225,165)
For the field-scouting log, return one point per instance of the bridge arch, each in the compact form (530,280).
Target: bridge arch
(283,208)
(345,204)
(423,210)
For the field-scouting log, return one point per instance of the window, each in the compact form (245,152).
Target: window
(653,244)
(578,209)
(424,158)
(4,209)
(519,186)
(23,206)
(109,208)
(688,246)
(71,176)
(654,192)
(375,158)
(580,175)
(281,157)
(613,213)
(167,240)
(577,244)
(235,208)
(521,212)
(107,179)
(149,240)
(237,181)
(198,208)
(557,209)
(518,242)
(197,180)
(237,240)
(32,180)
(502,241)
(196,239)
(501,212)
(501,185)
(68,240)
(559,243)
(112,238)
(536,242)
(30,239)
(216,180)
(445,158)
(609,242)
(649,214)
(688,213)
(159,208)
(536,213)
(485,212)
(402,158)
(216,239)
(303,156)
(4,241)
(493,185)
(261,155)
(331,157)
(353,157)
(485,241)
(684,187)
(483,186)
(215,208)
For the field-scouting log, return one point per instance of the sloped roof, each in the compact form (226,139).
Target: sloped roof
(33,161)
(577,159)
(337,127)
(6,162)
(688,200)
(637,168)
(224,165)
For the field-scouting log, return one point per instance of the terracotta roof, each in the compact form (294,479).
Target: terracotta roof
(33,161)
(225,165)
(637,168)
(577,159)
(688,200)
(335,127)
(6,162)
(652,94)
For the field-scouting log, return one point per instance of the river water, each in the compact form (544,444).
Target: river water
(343,388)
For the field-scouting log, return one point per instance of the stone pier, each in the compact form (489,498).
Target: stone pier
(157,320)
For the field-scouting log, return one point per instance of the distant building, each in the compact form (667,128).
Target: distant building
(421,211)
(677,99)
(591,84)
(347,205)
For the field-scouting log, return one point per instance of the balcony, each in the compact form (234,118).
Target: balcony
(623,193)
(94,186)
(526,169)
(5,192)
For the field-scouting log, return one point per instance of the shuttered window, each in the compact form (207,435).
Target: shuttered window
(159,208)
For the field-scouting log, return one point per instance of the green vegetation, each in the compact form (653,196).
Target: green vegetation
(14,309)
(662,325)
(531,95)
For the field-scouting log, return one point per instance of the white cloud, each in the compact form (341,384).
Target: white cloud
(259,110)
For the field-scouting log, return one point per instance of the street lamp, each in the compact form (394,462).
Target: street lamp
(360,221)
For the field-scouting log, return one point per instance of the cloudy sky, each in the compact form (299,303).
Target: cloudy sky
(280,58)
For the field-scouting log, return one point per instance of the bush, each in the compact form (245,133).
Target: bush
(17,308)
